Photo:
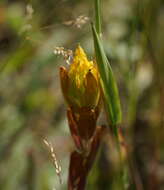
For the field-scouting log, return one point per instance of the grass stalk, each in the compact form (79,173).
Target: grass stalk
(98,17)
(109,88)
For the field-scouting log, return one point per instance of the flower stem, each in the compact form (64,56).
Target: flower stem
(98,17)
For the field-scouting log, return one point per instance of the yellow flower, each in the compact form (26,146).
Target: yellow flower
(80,83)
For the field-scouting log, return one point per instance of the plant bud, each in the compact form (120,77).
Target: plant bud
(80,83)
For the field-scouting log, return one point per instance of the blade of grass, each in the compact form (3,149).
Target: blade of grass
(97,17)
(111,97)
(108,82)
(109,88)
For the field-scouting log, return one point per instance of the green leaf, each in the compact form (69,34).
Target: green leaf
(108,82)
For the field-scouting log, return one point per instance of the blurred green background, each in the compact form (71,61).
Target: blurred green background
(31,104)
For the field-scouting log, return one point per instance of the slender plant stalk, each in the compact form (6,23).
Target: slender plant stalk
(109,88)
(98,17)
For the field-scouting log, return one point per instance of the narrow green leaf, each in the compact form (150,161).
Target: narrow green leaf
(108,82)
(97,17)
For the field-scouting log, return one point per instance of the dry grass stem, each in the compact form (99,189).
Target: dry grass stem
(54,159)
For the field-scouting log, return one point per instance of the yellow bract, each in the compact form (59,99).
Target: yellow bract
(80,84)
(80,67)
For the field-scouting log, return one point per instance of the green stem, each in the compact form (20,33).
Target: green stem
(121,179)
(97,17)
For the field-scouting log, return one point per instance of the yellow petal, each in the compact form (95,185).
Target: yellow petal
(79,68)
(80,84)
